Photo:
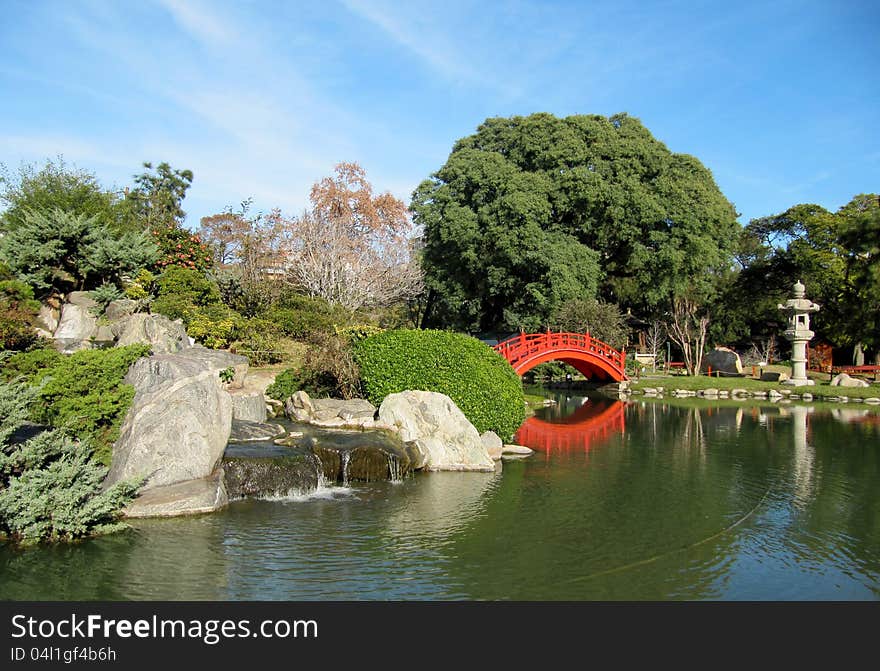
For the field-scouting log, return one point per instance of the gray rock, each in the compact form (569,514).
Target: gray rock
(120,308)
(48,318)
(722,360)
(180,419)
(161,368)
(203,495)
(769,376)
(493,444)
(274,408)
(353,405)
(248,405)
(103,335)
(844,380)
(299,407)
(449,441)
(271,475)
(76,328)
(82,299)
(326,411)
(245,432)
(520,450)
(162,334)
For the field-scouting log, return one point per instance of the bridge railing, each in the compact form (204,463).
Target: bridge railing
(525,345)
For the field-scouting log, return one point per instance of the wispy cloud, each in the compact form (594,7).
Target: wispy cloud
(415,36)
(199,21)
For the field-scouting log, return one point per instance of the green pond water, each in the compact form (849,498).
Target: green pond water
(641,500)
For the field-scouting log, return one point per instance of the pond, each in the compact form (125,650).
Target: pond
(659,500)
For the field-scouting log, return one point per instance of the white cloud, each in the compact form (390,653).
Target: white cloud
(197,20)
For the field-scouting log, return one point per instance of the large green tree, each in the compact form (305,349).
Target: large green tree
(54,186)
(529,212)
(157,197)
(835,254)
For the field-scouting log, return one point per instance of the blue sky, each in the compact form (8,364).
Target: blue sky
(779,99)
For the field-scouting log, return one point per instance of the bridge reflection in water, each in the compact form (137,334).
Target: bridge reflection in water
(591,425)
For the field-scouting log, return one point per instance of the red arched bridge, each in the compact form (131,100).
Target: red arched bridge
(593,358)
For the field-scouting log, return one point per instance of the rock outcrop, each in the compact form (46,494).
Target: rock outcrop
(190,497)
(78,324)
(178,426)
(331,412)
(440,431)
(248,405)
(162,334)
(722,360)
(845,380)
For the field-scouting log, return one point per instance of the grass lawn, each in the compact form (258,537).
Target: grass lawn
(820,389)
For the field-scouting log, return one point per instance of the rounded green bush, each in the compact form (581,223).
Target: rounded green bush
(478,379)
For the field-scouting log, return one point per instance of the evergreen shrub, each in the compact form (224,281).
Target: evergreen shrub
(82,393)
(49,487)
(480,381)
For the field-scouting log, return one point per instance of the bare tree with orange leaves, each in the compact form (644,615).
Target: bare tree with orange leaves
(352,248)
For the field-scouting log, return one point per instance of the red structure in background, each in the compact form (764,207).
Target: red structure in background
(593,358)
(591,424)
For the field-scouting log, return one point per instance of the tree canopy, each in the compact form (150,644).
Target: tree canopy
(529,212)
(835,254)
(54,186)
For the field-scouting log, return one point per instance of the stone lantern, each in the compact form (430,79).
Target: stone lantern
(798,332)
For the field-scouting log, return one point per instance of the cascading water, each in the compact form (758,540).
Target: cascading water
(322,481)
(346,458)
(394,469)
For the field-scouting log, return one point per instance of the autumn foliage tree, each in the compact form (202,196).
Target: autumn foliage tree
(249,254)
(352,248)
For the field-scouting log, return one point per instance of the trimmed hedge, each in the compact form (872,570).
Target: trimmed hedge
(480,381)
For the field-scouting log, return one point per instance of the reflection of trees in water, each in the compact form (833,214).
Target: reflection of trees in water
(158,559)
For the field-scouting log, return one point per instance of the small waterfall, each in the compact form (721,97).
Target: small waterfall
(319,465)
(394,468)
(346,457)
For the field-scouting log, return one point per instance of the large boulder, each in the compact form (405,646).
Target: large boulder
(299,407)
(76,327)
(203,495)
(158,331)
(48,320)
(439,429)
(122,307)
(248,405)
(180,419)
(722,360)
(844,380)
(772,376)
